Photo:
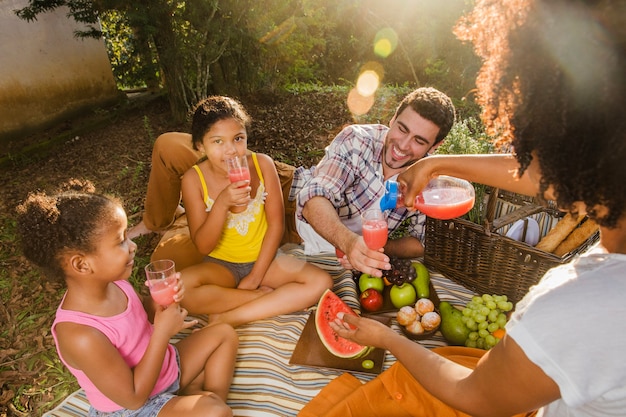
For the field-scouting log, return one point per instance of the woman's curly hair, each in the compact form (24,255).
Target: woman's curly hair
(553,85)
(73,218)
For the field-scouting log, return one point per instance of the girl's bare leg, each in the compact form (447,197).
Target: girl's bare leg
(207,360)
(210,288)
(196,406)
(207,363)
(297,285)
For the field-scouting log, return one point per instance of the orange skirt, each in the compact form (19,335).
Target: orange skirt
(394,393)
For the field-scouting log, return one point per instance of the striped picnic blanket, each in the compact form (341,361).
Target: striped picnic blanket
(265,383)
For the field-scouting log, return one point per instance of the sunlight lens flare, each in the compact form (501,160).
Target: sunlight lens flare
(385,42)
(368,83)
(359,104)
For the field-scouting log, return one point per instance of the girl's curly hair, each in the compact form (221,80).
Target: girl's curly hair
(72,218)
(553,86)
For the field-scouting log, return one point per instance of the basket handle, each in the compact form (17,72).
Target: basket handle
(491,224)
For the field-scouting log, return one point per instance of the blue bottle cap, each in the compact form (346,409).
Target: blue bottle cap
(390,199)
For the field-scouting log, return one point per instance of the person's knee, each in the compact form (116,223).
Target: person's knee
(170,142)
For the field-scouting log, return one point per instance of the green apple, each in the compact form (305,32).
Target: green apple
(367,281)
(403,295)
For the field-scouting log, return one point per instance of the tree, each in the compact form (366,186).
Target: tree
(232,47)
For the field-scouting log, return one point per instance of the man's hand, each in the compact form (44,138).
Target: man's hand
(366,260)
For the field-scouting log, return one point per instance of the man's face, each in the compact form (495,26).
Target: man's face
(410,137)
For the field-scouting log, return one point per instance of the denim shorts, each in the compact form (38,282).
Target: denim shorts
(239,270)
(153,405)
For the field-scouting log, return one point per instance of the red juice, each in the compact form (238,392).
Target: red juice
(444,204)
(239,174)
(163,290)
(375,233)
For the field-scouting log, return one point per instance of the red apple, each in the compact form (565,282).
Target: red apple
(371,300)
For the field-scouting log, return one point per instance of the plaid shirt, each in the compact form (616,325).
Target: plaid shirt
(350,176)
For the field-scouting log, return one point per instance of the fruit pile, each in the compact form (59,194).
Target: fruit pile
(411,280)
(419,319)
(401,271)
(485,317)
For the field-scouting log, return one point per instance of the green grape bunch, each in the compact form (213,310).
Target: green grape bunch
(483,316)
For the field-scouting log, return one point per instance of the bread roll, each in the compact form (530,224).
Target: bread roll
(559,232)
(577,237)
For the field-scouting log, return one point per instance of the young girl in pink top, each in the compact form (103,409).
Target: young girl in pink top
(125,364)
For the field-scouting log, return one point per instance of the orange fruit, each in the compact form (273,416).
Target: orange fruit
(499,333)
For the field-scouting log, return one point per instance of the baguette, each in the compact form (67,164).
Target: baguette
(577,237)
(558,233)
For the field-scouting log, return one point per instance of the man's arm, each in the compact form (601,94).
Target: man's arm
(321,215)
(404,247)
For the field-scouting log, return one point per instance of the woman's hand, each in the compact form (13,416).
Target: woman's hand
(362,330)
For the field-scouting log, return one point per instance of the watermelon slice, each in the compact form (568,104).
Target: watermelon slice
(327,309)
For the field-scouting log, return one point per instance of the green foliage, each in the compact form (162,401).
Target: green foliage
(132,58)
(197,48)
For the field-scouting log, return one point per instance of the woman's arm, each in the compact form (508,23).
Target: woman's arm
(496,170)
(505,381)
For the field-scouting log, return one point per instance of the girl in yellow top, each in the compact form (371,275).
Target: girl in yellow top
(239,226)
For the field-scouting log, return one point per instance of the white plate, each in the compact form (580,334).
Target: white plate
(532,231)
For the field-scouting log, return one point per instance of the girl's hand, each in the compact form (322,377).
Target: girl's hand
(171,320)
(180,289)
(249,282)
(236,194)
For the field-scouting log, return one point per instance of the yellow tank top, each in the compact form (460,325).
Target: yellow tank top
(243,233)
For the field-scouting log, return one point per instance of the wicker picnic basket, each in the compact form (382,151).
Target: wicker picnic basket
(482,259)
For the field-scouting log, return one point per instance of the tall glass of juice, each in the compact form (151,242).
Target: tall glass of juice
(161,279)
(238,169)
(374,227)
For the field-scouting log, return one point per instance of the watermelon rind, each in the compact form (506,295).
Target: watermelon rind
(329,305)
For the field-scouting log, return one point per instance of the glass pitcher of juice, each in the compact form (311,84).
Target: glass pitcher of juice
(443,197)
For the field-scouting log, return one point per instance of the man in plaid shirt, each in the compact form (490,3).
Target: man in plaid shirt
(350,179)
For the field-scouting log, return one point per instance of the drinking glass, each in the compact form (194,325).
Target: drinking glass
(374,224)
(161,279)
(238,169)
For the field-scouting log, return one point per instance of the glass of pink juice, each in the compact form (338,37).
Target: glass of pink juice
(374,227)
(161,279)
(238,169)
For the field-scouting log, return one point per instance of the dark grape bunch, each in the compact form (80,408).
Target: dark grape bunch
(401,271)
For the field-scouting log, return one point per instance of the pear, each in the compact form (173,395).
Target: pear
(452,327)
(422,280)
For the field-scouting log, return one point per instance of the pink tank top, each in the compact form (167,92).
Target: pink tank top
(130,333)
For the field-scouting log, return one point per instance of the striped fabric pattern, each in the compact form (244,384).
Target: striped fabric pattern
(265,384)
